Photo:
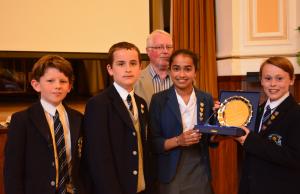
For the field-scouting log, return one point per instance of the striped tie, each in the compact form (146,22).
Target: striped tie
(265,117)
(63,176)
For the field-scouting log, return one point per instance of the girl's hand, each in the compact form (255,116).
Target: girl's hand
(189,137)
(216,106)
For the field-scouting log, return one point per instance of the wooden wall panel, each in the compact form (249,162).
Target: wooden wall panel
(296,88)
(230,83)
(224,158)
(2,145)
(224,164)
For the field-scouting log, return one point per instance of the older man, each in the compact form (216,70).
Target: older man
(155,77)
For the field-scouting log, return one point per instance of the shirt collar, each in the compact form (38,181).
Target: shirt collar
(151,71)
(276,103)
(192,100)
(50,108)
(122,92)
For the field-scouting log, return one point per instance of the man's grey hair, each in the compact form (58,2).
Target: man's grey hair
(153,33)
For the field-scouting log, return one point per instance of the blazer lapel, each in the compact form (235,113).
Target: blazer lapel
(75,125)
(172,103)
(278,113)
(142,117)
(38,118)
(120,106)
(200,107)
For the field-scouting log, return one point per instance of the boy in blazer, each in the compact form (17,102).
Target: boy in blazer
(115,130)
(272,162)
(41,152)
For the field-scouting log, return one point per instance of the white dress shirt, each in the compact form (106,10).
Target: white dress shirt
(188,111)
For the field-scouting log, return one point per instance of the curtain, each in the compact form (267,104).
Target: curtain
(95,76)
(193,27)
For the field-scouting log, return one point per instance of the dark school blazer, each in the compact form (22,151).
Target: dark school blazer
(29,166)
(110,143)
(272,162)
(166,122)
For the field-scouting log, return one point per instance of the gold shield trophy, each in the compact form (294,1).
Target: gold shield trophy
(238,108)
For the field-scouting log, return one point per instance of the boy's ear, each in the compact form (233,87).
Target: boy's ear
(109,69)
(36,85)
(293,80)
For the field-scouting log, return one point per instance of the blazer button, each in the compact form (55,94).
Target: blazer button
(133,133)
(53,164)
(135,172)
(134,153)
(52,183)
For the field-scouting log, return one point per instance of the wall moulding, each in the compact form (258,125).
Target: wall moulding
(267,23)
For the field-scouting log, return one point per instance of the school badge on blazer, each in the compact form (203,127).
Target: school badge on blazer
(276,139)
(201,111)
(270,120)
(142,108)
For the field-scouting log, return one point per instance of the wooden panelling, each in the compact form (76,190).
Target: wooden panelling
(230,83)
(224,158)
(224,163)
(2,145)
(296,88)
(240,83)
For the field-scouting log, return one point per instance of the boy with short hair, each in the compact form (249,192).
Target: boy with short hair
(41,149)
(115,128)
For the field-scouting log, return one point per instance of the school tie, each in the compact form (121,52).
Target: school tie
(63,176)
(265,117)
(129,102)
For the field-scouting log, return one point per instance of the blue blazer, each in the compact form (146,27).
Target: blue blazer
(166,122)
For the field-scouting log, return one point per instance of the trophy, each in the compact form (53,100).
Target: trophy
(238,108)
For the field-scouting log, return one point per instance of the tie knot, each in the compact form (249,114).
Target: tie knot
(266,115)
(56,115)
(128,99)
(129,102)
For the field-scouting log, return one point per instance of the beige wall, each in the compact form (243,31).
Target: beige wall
(247,34)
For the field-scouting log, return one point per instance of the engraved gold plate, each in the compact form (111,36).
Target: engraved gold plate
(235,111)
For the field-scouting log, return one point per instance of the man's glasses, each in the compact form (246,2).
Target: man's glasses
(162,47)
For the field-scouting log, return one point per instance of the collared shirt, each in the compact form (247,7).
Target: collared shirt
(50,110)
(140,172)
(273,105)
(159,84)
(124,93)
(188,111)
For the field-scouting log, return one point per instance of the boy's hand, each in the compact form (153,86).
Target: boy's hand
(242,139)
